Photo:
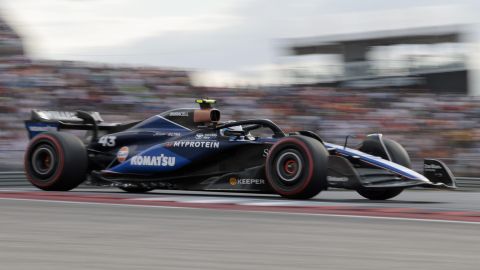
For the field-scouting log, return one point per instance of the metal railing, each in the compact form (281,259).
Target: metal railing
(469,183)
(13,179)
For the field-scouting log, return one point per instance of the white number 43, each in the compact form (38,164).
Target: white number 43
(107,141)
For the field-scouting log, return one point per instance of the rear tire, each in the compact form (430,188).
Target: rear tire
(296,167)
(397,153)
(56,161)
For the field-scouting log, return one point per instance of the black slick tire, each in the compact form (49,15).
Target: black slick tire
(56,161)
(398,155)
(296,167)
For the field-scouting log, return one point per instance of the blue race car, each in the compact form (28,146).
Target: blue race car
(191,149)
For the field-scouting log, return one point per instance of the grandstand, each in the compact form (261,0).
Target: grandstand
(10,41)
(440,74)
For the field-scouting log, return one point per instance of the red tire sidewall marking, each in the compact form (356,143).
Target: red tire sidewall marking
(305,149)
(61,161)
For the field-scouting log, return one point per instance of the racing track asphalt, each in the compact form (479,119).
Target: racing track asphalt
(64,235)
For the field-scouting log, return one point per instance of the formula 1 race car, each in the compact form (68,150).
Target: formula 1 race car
(190,149)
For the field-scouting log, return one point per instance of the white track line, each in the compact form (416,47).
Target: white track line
(295,203)
(189,199)
(160,198)
(276,203)
(206,200)
(215,201)
(239,201)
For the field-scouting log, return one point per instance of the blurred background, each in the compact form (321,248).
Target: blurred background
(407,69)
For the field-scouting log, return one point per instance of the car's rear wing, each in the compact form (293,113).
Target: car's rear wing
(43,121)
(63,116)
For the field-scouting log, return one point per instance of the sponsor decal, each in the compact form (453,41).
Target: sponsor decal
(42,128)
(251,181)
(159,161)
(337,179)
(265,152)
(180,114)
(246,181)
(58,115)
(169,134)
(122,154)
(432,167)
(209,136)
(196,144)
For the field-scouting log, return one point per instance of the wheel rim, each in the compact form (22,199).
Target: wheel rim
(289,166)
(43,161)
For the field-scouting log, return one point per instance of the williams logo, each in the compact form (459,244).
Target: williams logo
(159,161)
(206,136)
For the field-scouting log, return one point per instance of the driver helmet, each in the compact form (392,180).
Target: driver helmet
(233,129)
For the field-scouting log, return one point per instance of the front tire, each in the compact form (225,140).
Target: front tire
(397,153)
(56,161)
(296,167)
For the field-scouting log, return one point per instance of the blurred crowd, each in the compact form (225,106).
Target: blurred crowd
(428,125)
